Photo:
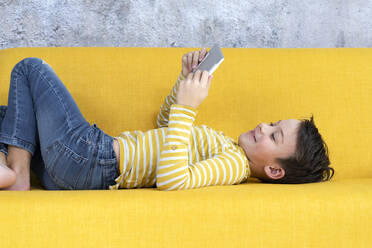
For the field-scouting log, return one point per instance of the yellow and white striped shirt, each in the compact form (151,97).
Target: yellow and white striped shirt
(178,155)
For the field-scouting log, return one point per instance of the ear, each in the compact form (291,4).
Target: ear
(274,171)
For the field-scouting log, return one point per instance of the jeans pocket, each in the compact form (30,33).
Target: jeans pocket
(65,166)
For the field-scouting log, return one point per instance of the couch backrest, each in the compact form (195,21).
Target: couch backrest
(123,88)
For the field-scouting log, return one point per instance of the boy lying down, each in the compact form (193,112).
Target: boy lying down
(69,153)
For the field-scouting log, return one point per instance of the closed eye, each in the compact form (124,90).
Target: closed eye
(271,124)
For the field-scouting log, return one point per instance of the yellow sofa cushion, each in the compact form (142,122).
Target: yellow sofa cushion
(122,89)
(331,214)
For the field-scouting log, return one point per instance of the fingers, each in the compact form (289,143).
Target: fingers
(189,77)
(192,59)
(195,59)
(204,78)
(194,76)
(189,60)
(184,59)
(199,77)
(184,64)
(202,54)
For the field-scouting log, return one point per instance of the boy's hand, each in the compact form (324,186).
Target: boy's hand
(191,60)
(194,89)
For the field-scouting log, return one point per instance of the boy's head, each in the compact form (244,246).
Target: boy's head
(288,151)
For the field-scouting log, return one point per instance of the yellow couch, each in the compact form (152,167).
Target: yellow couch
(122,89)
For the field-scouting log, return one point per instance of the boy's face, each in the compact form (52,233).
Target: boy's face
(267,142)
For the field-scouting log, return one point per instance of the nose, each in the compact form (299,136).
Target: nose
(263,127)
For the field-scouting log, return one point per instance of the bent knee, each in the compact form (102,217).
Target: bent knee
(31,60)
(28,62)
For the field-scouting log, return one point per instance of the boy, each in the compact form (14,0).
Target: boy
(177,155)
(291,151)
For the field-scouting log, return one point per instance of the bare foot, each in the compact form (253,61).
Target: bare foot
(19,161)
(22,180)
(7,176)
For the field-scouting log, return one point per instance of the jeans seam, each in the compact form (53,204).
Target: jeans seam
(57,146)
(77,178)
(34,68)
(90,177)
(15,85)
(15,103)
(107,173)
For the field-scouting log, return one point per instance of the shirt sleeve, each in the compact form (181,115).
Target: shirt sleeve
(174,172)
(162,118)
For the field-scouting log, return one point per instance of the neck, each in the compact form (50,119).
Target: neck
(252,169)
(256,172)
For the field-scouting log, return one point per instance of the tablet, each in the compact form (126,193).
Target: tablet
(211,60)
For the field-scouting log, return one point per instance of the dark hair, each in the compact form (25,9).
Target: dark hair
(310,162)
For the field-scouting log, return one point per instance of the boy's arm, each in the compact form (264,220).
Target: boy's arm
(174,172)
(162,118)
(189,61)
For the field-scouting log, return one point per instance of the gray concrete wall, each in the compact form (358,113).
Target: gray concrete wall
(182,23)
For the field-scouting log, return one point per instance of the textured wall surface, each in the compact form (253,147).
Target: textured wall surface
(185,23)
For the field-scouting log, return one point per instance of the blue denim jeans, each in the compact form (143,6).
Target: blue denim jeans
(43,118)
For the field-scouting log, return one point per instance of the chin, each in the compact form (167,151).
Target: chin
(241,139)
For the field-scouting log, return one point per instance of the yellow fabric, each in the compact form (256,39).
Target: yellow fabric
(122,89)
(331,214)
(189,156)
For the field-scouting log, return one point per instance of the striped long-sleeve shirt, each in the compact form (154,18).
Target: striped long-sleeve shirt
(178,155)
